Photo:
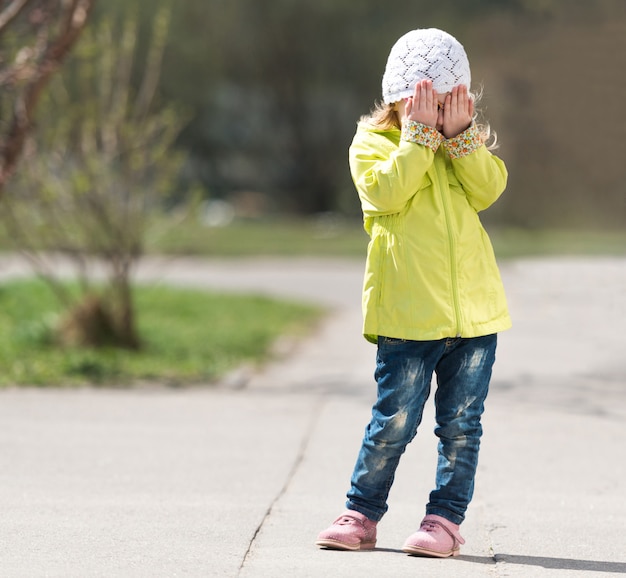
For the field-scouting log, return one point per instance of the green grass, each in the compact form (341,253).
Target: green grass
(197,336)
(328,236)
(515,243)
(242,238)
(293,238)
(189,336)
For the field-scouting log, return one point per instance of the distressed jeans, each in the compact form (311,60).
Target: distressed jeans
(404,371)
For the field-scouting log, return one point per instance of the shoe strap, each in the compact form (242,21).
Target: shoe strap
(457,539)
(350,518)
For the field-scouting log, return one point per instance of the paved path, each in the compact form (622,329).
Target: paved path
(237,480)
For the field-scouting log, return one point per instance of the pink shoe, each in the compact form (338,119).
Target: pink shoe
(350,531)
(437,537)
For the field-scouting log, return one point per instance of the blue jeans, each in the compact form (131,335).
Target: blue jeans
(404,372)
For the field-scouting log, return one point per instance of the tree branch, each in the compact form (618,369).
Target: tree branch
(73,19)
(11,12)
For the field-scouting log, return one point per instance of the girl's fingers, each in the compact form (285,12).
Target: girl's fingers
(457,99)
(463,99)
(428,94)
(424,95)
(458,111)
(432,100)
(422,106)
(459,102)
(417,92)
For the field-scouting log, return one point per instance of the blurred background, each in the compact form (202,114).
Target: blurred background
(272,90)
(265,96)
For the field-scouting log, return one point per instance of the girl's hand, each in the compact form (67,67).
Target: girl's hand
(422,106)
(458,111)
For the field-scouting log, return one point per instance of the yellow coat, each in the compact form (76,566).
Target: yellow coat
(430,272)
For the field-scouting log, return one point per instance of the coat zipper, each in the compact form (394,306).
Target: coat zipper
(445,197)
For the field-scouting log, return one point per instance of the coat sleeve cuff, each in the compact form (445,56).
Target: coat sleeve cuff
(419,133)
(465,143)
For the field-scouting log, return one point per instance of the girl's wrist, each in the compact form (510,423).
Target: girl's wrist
(457,132)
(420,133)
(464,143)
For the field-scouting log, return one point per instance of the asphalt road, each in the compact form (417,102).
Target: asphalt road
(237,479)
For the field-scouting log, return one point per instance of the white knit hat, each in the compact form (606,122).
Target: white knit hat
(421,54)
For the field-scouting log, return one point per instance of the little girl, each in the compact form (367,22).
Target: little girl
(433,300)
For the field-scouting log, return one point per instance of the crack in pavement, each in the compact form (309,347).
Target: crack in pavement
(304,444)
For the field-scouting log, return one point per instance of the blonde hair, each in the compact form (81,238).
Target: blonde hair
(385,117)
